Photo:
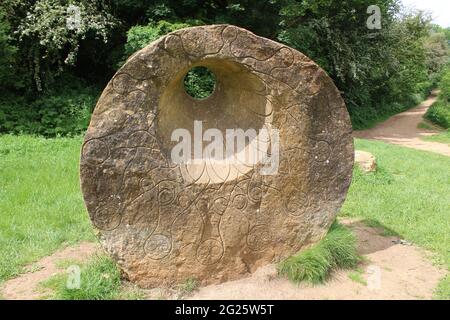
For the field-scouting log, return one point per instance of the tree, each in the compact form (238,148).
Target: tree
(8,77)
(47,43)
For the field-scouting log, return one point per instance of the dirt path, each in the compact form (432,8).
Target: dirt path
(26,286)
(402,129)
(392,271)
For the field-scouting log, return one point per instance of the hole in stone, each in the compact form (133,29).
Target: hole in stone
(199,82)
(237,102)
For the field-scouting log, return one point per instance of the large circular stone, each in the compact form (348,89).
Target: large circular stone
(164,222)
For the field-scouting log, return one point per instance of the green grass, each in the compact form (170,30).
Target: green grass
(439,113)
(99,280)
(424,125)
(357,276)
(443,290)
(188,286)
(65,263)
(443,137)
(409,195)
(315,264)
(41,208)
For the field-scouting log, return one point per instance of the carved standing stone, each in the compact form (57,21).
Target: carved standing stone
(164,222)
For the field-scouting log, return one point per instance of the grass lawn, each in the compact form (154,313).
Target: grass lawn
(41,208)
(408,195)
(443,137)
(99,280)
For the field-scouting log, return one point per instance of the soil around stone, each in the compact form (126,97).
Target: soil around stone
(402,129)
(406,272)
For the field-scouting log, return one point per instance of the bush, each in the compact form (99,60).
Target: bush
(444,85)
(46,41)
(140,36)
(199,82)
(439,112)
(64,111)
(367,116)
(8,76)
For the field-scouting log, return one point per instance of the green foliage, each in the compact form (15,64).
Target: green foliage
(47,45)
(315,264)
(380,72)
(439,112)
(100,280)
(8,51)
(437,51)
(63,111)
(444,85)
(199,82)
(140,36)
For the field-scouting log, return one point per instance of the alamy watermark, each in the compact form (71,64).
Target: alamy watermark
(374,20)
(73,277)
(237,146)
(73,21)
(374,278)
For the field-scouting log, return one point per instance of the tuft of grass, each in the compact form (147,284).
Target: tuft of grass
(41,206)
(424,125)
(315,264)
(188,286)
(357,276)
(133,293)
(100,280)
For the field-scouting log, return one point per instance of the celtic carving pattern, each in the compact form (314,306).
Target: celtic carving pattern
(165,222)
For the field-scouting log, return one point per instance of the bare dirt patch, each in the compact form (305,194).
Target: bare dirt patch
(405,272)
(403,129)
(26,286)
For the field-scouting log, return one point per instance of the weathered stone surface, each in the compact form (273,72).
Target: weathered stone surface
(365,160)
(164,222)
